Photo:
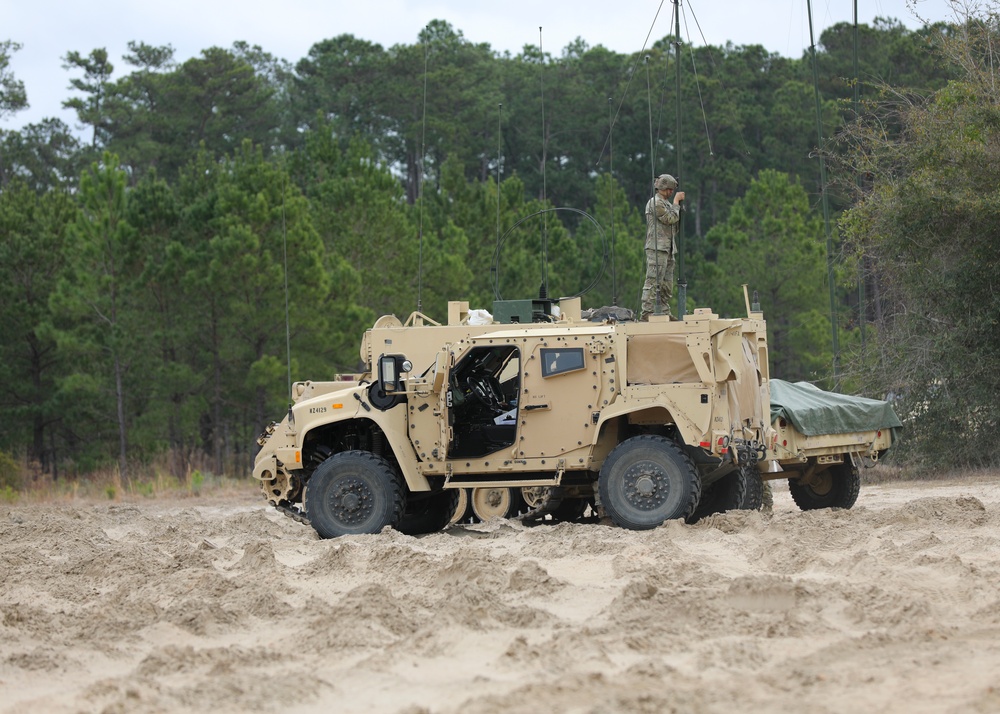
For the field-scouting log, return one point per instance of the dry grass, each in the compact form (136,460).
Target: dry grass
(26,484)
(21,484)
(895,472)
(108,486)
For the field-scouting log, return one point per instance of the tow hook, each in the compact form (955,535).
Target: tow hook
(748,453)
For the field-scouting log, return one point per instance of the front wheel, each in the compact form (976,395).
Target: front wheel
(647,480)
(837,487)
(354,492)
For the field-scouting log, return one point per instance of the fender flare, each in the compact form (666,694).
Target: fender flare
(689,431)
(393,424)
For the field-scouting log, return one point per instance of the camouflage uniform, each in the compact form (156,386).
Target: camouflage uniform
(662,218)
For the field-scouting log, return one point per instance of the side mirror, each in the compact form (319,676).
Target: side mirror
(390,372)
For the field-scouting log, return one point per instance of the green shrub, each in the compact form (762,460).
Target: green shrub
(197,480)
(144,488)
(10,473)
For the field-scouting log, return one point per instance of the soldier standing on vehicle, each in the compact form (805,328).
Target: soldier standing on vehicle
(662,223)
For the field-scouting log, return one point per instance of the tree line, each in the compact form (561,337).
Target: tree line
(147,262)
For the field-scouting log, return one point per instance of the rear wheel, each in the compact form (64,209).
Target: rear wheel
(354,492)
(837,487)
(754,499)
(647,480)
(429,513)
(490,503)
(729,493)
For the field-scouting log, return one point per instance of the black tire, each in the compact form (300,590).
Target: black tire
(754,498)
(837,487)
(354,492)
(647,480)
(570,509)
(729,493)
(429,513)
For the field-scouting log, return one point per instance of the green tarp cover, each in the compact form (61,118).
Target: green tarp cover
(813,411)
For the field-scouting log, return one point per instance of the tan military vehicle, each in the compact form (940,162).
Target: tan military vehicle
(642,421)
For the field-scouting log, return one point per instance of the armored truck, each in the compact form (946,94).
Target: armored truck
(643,421)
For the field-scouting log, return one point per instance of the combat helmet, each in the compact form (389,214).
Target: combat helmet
(664,181)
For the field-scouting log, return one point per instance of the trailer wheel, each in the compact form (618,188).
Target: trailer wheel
(429,513)
(837,487)
(354,492)
(647,480)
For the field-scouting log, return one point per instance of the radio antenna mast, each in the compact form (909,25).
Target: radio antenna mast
(611,198)
(681,278)
(288,328)
(826,203)
(495,267)
(544,291)
(420,192)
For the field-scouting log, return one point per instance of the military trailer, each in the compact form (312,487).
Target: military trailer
(820,441)
(643,421)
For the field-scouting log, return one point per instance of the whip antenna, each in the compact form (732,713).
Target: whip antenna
(649,112)
(630,76)
(545,147)
(420,192)
(611,199)
(652,184)
(495,267)
(826,204)
(288,328)
(681,277)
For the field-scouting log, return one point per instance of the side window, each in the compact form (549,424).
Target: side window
(561,360)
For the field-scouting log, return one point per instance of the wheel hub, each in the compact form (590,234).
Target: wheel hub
(821,484)
(351,502)
(646,486)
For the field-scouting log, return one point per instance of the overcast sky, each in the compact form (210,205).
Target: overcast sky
(48,29)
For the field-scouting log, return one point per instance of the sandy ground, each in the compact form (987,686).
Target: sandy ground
(222,605)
